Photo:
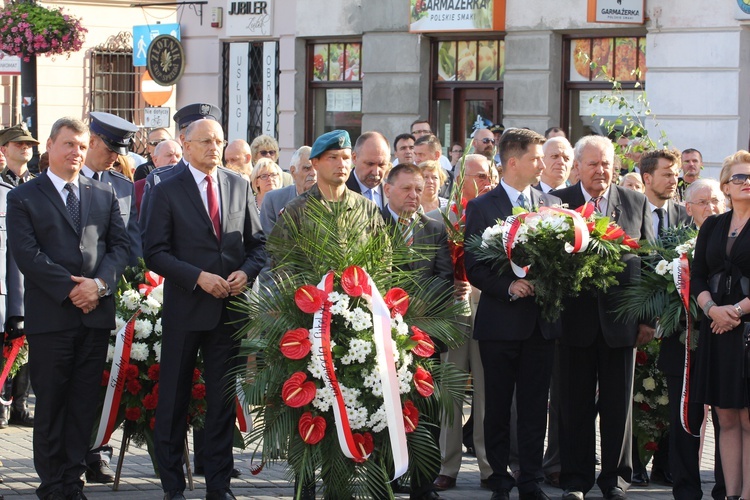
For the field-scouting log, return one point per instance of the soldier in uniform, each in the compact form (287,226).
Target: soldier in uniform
(16,145)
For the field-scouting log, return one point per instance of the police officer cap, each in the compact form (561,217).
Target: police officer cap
(194,112)
(335,139)
(16,133)
(113,130)
(497,129)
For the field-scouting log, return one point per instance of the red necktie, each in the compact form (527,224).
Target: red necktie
(213,207)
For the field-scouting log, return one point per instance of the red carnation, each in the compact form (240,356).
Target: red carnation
(411,416)
(425,347)
(132,413)
(397,301)
(196,375)
(651,446)
(296,392)
(364,444)
(641,357)
(644,407)
(152,423)
(312,429)
(155,390)
(149,401)
(105,378)
(153,372)
(354,281)
(133,386)
(131,371)
(309,298)
(199,391)
(295,344)
(423,382)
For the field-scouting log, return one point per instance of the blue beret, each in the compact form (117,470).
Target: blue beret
(335,139)
(194,112)
(113,130)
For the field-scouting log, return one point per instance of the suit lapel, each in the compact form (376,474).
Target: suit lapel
(224,198)
(54,197)
(501,201)
(194,195)
(673,214)
(614,208)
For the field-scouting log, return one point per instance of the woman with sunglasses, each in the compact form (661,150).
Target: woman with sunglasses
(264,146)
(266,176)
(455,153)
(721,285)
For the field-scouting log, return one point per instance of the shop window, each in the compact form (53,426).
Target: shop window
(334,99)
(467,84)
(592,66)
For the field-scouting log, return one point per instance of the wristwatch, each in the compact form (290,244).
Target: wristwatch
(101,287)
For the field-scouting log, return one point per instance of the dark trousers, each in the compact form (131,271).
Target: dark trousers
(180,349)
(580,370)
(17,388)
(66,372)
(525,365)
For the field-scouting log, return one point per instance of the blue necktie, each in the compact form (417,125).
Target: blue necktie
(73,204)
(522,202)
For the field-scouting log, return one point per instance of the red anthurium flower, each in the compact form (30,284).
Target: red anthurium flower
(591,226)
(425,347)
(630,242)
(613,232)
(586,210)
(312,429)
(295,344)
(309,298)
(397,301)
(423,382)
(364,444)
(354,281)
(296,392)
(411,416)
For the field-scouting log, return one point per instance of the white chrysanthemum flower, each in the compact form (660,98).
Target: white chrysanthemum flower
(350,395)
(119,324)
(638,398)
(139,351)
(131,299)
(357,417)
(150,305)
(323,398)
(110,353)
(359,320)
(157,327)
(143,328)
(404,380)
(372,381)
(662,267)
(158,294)
(407,358)
(649,384)
(377,420)
(315,368)
(157,351)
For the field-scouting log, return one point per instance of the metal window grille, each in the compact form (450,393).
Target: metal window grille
(254,88)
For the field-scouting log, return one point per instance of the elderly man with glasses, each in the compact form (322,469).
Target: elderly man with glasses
(155,137)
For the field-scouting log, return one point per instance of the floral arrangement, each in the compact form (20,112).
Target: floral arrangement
(29,29)
(346,388)
(657,295)
(561,251)
(18,350)
(650,400)
(139,300)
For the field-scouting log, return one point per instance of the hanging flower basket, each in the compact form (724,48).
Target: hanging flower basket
(28,29)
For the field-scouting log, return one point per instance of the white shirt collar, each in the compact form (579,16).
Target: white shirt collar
(513,193)
(587,197)
(201,176)
(60,183)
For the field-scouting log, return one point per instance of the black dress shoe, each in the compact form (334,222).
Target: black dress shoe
(220,495)
(177,495)
(661,476)
(640,479)
(3,417)
(615,493)
(500,495)
(99,472)
(22,418)
(536,495)
(235,473)
(572,495)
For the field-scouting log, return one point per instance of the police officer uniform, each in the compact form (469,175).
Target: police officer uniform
(16,133)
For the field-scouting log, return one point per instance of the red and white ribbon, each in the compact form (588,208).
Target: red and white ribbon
(509,239)
(15,347)
(116,382)
(681,274)
(244,419)
(321,336)
(153,280)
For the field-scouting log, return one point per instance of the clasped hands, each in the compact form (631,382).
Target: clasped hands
(725,318)
(221,288)
(85,294)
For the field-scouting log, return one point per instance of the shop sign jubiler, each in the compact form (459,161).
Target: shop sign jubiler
(456,15)
(249,18)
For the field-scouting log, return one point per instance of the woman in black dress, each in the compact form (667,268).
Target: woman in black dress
(721,284)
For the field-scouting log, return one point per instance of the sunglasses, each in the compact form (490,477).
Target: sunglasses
(156,143)
(263,152)
(487,140)
(739,179)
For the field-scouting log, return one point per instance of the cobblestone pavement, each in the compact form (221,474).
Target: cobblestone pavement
(139,482)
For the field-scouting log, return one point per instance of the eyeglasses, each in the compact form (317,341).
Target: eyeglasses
(739,179)
(210,142)
(421,131)
(702,203)
(487,140)
(155,143)
(263,152)
(457,151)
(481,177)
(265,177)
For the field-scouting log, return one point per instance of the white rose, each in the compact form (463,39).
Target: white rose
(649,384)
(662,400)
(638,398)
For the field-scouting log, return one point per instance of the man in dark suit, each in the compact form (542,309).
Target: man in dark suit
(204,238)
(304,176)
(596,349)
(517,355)
(68,238)
(370,159)
(403,188)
